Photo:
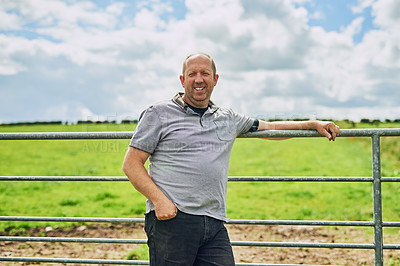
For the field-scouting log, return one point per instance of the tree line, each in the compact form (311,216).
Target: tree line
(135,121)
(79,122)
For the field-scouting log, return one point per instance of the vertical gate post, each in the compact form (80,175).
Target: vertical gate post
(377,187)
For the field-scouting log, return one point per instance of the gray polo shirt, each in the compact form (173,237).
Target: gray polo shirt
(189,153)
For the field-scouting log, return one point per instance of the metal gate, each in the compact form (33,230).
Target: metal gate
(377,224)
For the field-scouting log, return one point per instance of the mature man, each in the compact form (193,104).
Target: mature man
(188,141)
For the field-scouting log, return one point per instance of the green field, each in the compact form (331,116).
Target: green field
(273,200)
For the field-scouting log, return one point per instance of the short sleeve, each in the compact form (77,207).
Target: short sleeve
(243,123)
(148,131)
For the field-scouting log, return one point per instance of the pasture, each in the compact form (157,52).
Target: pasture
(250,157)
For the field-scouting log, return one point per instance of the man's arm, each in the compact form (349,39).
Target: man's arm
(328,129)
(134,169)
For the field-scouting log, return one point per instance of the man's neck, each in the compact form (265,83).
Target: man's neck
(200,111)
(200,104)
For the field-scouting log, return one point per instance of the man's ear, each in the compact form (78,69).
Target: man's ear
(216,79)
(182,79)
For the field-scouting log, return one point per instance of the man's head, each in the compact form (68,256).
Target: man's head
(198,78)
(199,54)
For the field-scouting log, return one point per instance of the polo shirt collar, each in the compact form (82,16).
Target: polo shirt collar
(178,100)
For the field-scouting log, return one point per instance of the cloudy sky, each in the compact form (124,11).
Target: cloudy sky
(110,59)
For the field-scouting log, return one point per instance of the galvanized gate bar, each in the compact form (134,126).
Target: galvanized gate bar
(301,178)
(144,241)
(231,178)
(262,264)
(313,133)
(376,173)
(391,246)
(232,221)
(72,219)
(391,224)
(302,245)
(66,135)
(63,178)
(122,262)
(73,239)
(65,260)
(258,134)
(301,222)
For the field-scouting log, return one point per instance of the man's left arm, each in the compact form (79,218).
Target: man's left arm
(328,129)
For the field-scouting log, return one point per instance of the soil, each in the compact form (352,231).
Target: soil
(266,255)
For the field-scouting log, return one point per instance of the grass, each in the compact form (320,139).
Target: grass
(250,157)
(139,253)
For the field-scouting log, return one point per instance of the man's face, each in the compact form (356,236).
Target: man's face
(198,81)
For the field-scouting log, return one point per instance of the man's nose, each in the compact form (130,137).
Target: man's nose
(199,78)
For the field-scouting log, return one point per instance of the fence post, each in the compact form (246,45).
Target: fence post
(377,187)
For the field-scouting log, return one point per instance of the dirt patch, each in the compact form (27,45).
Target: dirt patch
(319,256)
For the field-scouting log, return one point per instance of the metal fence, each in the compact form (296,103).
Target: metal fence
(377,224)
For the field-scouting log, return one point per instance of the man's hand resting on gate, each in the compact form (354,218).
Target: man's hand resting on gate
(328,129)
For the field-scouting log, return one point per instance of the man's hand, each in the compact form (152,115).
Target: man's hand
(328,129)
(165,210)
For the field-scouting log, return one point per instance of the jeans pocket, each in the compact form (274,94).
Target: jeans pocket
(149,221)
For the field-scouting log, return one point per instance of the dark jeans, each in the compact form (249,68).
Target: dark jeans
(188,240)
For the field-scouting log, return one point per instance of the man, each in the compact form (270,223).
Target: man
(188,140)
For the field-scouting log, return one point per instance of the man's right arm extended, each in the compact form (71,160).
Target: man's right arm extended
(134,169)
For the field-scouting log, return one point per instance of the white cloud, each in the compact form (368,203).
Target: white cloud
(361,6)
(387,13)
(354,27)
(116,9)
(269,58)
(9,21)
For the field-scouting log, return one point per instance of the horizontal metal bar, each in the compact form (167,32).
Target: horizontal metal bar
(391,224)
(262,264)
(63,178)
(301,222)
(391,246)
(258,134)
(66,260)
(65,135)
(233,221)
(144,241)
(71,219)
(301,178)
(231,178)
(122,262)
(302,245)
(390,179)
(73,240)
(362,132)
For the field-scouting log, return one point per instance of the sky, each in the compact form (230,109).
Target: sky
(277,59)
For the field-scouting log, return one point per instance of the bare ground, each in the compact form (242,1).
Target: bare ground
(320,256)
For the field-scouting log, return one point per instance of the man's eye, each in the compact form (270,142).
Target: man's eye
(206,73)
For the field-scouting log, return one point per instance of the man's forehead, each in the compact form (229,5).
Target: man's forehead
(198,59)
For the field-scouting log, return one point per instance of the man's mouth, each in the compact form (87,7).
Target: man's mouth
(199,89)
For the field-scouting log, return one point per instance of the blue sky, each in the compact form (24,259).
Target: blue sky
(71,60)
(335,15)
